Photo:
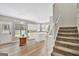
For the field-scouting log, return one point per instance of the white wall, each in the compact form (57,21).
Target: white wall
(67,13)
(5,37)
(78,18)
(78,24)
(50,40)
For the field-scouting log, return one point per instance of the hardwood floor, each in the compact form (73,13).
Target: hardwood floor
(31,49)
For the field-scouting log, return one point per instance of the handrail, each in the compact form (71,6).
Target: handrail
(57,20)
(56,28)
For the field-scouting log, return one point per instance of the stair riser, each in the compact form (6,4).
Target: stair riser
(68,35)
(63,52)
(68,28)
(67,46)
(65,31)
(68,40)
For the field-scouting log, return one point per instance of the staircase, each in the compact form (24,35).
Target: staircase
(67,42)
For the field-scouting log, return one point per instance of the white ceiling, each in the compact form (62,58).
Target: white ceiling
(38,12)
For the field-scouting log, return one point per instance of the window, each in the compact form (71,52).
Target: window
(38,27)
(44,27)
(20,30)
(6,28)
(17,30)
(33,27)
